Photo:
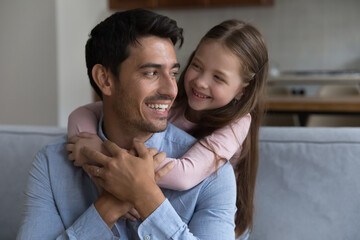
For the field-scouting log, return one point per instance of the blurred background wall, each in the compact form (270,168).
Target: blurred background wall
(42,67)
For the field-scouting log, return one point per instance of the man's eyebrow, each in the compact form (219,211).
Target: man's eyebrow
(176,65)
(155,65)
(150,65)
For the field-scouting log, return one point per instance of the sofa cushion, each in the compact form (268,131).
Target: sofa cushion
(18,145)
(308,184)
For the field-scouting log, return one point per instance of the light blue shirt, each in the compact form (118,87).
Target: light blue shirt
(59,200)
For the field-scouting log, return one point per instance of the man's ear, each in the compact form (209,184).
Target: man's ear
(102,78)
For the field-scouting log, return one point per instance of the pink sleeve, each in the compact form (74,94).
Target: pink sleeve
(84,119)
(199,162)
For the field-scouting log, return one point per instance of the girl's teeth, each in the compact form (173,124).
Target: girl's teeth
(200,96)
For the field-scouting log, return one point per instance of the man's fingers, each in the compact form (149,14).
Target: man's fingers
(158,158)
(112,148)
(94,156)
(94,171)
(99,182)
(164,170)
(132,152)
(140,148)
(153,151)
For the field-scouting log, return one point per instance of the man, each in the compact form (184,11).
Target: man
(132,64)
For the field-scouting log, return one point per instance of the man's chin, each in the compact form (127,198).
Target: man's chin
(160,129)
(154,128)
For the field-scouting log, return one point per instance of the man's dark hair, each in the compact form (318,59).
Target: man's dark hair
(109,41)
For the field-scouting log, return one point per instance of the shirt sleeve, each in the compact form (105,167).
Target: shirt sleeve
(85,119)
(213,217)
(199,161)
(41,219)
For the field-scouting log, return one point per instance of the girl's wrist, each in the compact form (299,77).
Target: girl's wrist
(111,209)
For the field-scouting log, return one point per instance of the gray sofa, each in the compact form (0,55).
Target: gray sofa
(308,183)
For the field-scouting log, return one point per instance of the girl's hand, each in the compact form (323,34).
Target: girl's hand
(110,208)
(82,139)
(132,215)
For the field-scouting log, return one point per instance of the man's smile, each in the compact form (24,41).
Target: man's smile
(158,107)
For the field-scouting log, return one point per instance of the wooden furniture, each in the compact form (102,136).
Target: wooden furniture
(151,4)
(276,119)
(303,106)
(316,77)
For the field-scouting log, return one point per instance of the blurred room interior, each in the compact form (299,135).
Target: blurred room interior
(313,46)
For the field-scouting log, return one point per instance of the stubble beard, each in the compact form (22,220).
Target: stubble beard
(135,121)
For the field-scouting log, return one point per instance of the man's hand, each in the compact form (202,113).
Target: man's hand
(129,178)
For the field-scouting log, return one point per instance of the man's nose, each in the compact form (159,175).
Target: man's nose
(168,86)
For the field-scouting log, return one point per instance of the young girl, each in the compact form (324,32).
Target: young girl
(220,103)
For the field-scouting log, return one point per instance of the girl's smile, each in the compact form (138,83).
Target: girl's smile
(200,96)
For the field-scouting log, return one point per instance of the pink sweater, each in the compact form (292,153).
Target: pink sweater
(197,163)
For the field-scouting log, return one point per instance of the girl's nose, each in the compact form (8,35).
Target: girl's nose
(201,81)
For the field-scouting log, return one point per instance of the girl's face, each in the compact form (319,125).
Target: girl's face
(213,78)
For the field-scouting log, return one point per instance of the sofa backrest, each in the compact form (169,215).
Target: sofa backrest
(18,146)
(308,184)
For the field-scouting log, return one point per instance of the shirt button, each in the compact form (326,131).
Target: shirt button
(147,237)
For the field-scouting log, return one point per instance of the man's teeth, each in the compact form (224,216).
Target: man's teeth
(158,107)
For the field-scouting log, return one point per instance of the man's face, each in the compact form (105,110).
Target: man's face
(147,85)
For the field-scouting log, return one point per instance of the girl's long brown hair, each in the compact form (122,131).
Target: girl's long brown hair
(247,43)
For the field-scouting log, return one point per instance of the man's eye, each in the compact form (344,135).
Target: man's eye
(175,74)
(151,73)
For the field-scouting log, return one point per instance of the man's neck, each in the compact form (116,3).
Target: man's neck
(123,136)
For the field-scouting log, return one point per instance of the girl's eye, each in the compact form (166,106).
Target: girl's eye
(194,65)
(219,79)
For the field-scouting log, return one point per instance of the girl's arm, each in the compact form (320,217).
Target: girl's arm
(84,119)
(199,162)
(81,122)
